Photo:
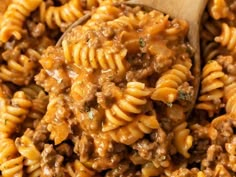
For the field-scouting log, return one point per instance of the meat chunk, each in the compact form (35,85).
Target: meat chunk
(84,147)
(64,149)
(36,29)
(51,162)
(156,150)
(40,136)
(108,94)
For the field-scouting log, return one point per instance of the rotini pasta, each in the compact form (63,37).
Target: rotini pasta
(219,9)
(211,51)
(130,133)
(230,94)
(227,37)
(167,85)
(149,170)
(11,163)
(210,28)
(212,88)
(76,168)
(126,108)
(220,170)
(18,71)
(39,101)
(13,114)
(65,14)
(31,154)
(14,18)
(105,58)
(105,12)
(183,140)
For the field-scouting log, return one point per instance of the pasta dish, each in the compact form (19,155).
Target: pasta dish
(112,98)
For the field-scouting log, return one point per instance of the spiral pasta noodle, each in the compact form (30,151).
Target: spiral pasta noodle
(130,133)
(220,170)
(227,37)
(14,114)
(39,101)
(149,169)
(219,9)
(14,18)
(125,108)
(105,12)
(230,94)
(56,125)
(11,164)
(212,88)
(65,14)
(211,51)
(31,154)
(18,71)
(76,168)
(127,22)
(182,139)
(210,28)
(105,58)
(166,89)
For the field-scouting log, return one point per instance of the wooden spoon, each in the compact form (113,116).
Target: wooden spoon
(189,10)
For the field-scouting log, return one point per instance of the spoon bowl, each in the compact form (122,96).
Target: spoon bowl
(189,10)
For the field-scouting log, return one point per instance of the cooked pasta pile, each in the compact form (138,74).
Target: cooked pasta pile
(112,98)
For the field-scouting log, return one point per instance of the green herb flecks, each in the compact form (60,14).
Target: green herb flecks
(182,95)
(142,43)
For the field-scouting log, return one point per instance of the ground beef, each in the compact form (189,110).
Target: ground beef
(54,78)
(89,99)
(156,149)
(91,121)
(213,153)
(163,61)
(64,149)
(40,136)
(9,54)
(36,29)
(51,162)
(139,74)
(51,84)
(184,172)
(84,147)
(104,163)
(103,153)
(107,95)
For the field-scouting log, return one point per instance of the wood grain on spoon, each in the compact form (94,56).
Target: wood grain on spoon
(191,11)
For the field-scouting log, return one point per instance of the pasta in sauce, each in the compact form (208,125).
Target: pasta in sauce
(112,100)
